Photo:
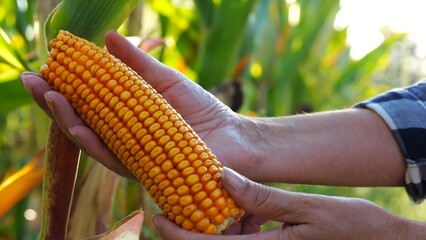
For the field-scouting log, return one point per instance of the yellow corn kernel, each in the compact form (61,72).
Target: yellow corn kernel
(138,125)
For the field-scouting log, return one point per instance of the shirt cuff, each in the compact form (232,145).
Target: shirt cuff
(404,111)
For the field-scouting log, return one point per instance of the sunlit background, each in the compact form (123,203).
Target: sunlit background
(366,21)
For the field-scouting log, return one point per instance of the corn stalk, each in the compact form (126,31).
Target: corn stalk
(61,166)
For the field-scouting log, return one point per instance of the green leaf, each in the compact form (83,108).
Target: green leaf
(315,17)
(7,53)
(205,10)
(88,19)
(12,95)
(368,63)
(221,45)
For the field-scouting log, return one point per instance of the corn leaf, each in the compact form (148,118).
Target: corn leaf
(368,63)
(12,94)
(87,220)
(128,228)
(220,47)
(315,17)
(18,185)
(205,10)
(10,55)
(88,19)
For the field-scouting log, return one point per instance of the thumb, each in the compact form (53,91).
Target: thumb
(260,200)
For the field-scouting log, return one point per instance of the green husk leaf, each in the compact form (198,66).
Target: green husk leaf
(88,19)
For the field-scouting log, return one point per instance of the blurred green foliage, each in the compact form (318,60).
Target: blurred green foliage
(283,65)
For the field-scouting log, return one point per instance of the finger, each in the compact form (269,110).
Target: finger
(252,224)
(79,133)
(36,87)
(267,202)
(97,149)
(158,75)
(248,224)
(61,111)
(235,228)
(169,230)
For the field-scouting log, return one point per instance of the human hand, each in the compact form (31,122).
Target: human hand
(304,216)
(216,124)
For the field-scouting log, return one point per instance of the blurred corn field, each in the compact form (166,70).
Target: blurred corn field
(260,57)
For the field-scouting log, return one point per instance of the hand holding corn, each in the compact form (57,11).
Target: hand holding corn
(215,123)
(141,128)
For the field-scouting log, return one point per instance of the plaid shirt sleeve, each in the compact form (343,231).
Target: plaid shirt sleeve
(404,111)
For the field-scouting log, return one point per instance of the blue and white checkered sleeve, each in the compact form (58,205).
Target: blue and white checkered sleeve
(404,111)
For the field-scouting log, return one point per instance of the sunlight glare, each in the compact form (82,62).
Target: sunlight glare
(4,35)
(293,14)
(365,19)
(362,42)
(22,5)
(30,214)
(29,33)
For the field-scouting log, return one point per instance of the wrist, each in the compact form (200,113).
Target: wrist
(252,141)
(409,229)
(270,152)
(393,227)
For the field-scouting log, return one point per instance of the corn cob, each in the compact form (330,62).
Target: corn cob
(171,161)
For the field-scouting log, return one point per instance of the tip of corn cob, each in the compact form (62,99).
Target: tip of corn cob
(137,124)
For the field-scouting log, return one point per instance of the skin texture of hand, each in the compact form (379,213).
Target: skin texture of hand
(303,216)
(216,124)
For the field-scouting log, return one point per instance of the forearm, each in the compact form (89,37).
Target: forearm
(349,147)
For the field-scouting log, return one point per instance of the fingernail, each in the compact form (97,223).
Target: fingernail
(24,81)
(49,101)
(156,222)
(71,130)
(233,179)
(112,30)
